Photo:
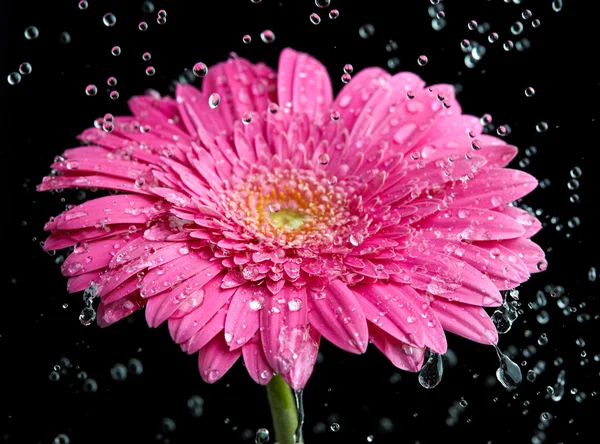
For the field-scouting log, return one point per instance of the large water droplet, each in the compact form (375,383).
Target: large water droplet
(213,100)
(431,373)
(32,33)
(200,69)
(509,373)
(262,436)
(267,36)
(109,19)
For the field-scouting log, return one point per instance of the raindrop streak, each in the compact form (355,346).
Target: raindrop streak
(298,437)
(559,388)
(431,373)
(509,373)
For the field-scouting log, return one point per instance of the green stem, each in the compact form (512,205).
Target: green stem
(283,410)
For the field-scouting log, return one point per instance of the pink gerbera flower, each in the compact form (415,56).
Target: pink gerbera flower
(259,213)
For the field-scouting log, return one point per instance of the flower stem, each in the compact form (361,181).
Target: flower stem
(283,410)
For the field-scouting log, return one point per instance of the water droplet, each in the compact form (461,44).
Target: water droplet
(135,367)
(109,19)
(61,439)
(274,207)
(431,373)
(333,14)
(529,91)
(116,51)
(536,23)
(267,36)
(262,436)
(247,38)
(118,372)
(575,172)
(346,77)
(508,45)
(422,60)
(143,26)
(64,38)
(543,339)
(472,25)
(315,18)
(509,373)
(25,68)
(348,68)
(91,90)
(90,385)
(32,33)
(150,71)
(541,127)
(114,95)
(335,115)
(148,7)
(87,316)
(335,427)
(322,3)
(13,78)
(246,118)
(83,5)
(146,56)
(323,159)
(213,100)
(476,144)
(200,69)
(557,5)
(366,31)
(493,37)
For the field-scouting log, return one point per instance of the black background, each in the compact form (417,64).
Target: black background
(361,393)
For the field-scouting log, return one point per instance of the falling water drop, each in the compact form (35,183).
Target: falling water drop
(267,36)
(298,437)
(509,373)
(109,19)
(262,436)
(431,373)
(559,388)
(91,90)
(32,33)
(200,69)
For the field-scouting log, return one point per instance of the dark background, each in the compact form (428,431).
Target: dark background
(365,395)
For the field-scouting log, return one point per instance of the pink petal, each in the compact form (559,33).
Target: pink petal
(243,316)
(531,224)
(336,314)
(493,187)
(212,328)
(402,355)
(470,224)
(110,313)
(303,83)
(451,278)
(92,256)
(199,314)
(215,359)
(529,252)
(256,362)
(103,182)
(108,210)
(82,281)
(468,321)
(354,95)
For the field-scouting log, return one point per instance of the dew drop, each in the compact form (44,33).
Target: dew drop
(323,159)
(335,115)
(213,100)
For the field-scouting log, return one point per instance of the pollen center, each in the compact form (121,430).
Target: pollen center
(291,207)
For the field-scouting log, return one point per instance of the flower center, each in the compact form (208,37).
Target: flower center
(291,207)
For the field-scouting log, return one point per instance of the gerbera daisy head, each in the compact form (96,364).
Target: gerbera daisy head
(258,214)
